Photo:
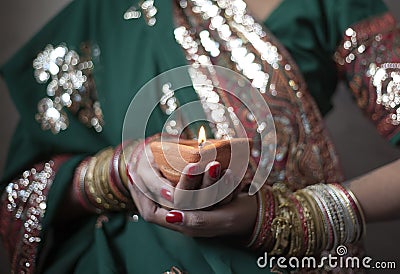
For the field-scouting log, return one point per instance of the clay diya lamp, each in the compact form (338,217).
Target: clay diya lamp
(172,157)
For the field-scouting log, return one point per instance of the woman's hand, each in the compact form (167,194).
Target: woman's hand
(148,179)
(235,218)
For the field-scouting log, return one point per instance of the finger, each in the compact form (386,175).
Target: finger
(211,174)
(237,217)
(230,187)
(206,196)
(191,177)
(135,194)
(219,190)
(190,180)
(147,161)
(226,186)
(159,187)
(148,209)
(190,223)
(153,181)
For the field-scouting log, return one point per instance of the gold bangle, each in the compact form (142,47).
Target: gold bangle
(281,225)
(89,185)
(102,179)
(99,191)
(124,156)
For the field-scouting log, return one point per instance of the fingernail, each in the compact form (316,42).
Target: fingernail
(166,194)
(215,170)
(174,217)
(192,172)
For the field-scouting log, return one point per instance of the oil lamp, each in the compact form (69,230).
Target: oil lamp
(171,157)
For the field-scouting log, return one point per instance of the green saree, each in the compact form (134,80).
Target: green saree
(128,53)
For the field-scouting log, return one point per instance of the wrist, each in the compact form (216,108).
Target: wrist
(97,183)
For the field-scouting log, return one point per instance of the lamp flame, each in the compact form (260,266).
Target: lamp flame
(202,136)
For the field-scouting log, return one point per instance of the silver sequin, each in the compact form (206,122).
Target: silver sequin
(68,83)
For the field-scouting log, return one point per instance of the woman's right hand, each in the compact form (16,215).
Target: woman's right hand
(149,182)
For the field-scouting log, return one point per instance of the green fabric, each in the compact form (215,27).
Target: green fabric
(131,54)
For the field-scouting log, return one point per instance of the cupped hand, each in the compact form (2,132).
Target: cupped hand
(234,218)
(235,215)
(147,179)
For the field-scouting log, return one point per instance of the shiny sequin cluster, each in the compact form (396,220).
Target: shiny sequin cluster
(221,32)
(70,85)
(168,101)
(368,56)
(386,80)
(25,200)
(147,8)
(201,75)
(226,17)
(168,104)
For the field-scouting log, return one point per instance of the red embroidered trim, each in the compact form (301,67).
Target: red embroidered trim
(369,57)
(22,208)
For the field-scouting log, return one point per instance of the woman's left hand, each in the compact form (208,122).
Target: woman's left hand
(235,218)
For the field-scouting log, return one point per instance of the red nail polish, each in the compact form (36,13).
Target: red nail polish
(129,174)
(174,217)
(192,172)
(214,171)
(166,194)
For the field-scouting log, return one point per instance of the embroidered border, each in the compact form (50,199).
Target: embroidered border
(23,206)
(369,57)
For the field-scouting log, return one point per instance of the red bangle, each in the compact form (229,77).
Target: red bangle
(303,222)
(267,241)
(263,241)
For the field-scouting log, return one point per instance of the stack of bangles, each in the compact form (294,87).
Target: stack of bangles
(302,223)
(101,183)
(306,222)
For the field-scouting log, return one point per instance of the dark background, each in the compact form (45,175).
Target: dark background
(359,146)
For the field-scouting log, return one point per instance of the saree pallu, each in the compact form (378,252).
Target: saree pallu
(125,54)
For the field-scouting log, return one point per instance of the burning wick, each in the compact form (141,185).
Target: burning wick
(202,137)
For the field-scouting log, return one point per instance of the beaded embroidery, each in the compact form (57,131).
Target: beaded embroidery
(23,206)
(70,85)
(147,8)
(369,58)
